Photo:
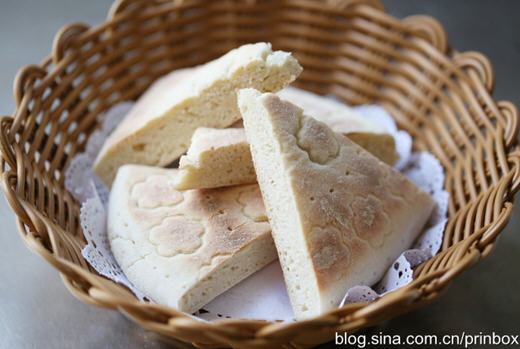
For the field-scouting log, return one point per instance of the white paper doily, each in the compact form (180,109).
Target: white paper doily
(262,295)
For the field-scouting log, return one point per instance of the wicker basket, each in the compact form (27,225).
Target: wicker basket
(349,48)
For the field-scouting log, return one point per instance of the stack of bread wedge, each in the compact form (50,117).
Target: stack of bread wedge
(269,171)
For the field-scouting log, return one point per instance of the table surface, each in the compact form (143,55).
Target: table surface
(37,311)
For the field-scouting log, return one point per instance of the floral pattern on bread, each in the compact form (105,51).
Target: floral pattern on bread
(177,235)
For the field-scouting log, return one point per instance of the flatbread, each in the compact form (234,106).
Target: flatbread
(183,249)
(158,128)
(339,215)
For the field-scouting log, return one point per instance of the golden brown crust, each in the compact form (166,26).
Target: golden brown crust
(226,219)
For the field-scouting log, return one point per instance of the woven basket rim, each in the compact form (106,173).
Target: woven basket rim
(430,35)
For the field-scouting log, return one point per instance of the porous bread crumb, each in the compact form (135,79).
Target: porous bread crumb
(158,128)
(216,158)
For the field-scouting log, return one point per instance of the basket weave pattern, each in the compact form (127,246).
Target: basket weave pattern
(349,48)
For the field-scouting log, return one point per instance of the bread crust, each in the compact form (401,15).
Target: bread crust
(339,215)
(183,249)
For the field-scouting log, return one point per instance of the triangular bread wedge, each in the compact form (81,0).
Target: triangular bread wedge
(216,158)
(221,157)
(183,249)
(343,119)
(339,215)
(158,128)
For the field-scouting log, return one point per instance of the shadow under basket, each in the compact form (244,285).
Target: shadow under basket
(350,49)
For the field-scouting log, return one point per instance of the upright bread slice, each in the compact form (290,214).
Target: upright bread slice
(339,215)
(185,248)
(343,119)
(216,158)
(159,127)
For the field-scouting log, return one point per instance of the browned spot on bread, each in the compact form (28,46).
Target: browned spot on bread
(177,235)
